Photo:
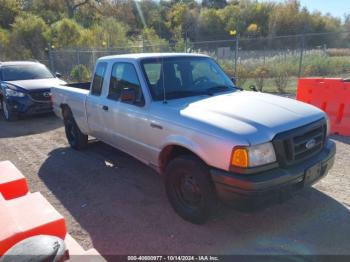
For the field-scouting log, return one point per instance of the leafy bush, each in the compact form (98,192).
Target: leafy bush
(228,68)
(281,80)
(260,74)
(28,37)
(324,65)
(80,73)
(338,52)
(243,74)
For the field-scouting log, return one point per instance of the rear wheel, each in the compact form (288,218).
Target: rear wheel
(6,111)
(190,189)
(76,139)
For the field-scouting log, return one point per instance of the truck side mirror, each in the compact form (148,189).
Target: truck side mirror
(58,75)
(253,88)
(233,79)
(128,95)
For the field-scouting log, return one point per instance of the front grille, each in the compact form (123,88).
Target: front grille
(299,144)
(41,96)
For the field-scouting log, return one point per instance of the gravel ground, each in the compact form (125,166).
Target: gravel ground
(117,205)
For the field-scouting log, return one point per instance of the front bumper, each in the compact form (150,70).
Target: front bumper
(275,184)
(26,106)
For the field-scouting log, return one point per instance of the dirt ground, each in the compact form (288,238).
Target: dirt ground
(117,205)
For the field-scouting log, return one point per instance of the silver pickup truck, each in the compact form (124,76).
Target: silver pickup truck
(181,115)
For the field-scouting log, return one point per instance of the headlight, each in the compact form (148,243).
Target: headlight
(253,156)
(11,91)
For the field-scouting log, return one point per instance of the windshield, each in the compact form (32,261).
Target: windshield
(25,72)
(184,76)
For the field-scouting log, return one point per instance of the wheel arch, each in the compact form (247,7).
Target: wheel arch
(173,150)
(66,111)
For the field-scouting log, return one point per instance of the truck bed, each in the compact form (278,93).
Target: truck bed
(75,97)
(80,85)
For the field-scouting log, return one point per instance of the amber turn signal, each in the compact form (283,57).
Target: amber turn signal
(240,157)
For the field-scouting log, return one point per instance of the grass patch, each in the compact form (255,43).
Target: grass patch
(270,86)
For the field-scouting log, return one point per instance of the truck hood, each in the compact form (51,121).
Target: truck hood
(36,84)
(255,117)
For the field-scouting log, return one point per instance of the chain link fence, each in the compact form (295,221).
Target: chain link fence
(271,63)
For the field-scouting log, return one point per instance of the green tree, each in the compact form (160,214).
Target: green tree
(65,33)
(214,3)
(49,10)
(347,22)
(152,14)
(241,15)
(73,6)
(182,21)
(28,37)
(124,10)
(110,33)
(9,9)
(210,25)
(4,40)
(152,42)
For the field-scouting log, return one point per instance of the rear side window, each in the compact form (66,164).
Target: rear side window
(97,82)
(123,75)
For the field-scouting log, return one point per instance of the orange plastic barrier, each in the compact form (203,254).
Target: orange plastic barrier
(24,215)
(28,216)
(332,95)
(12,183)
(74,249)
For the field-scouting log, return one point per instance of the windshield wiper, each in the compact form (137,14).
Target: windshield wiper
(221,88)
(185,93)
(218,88)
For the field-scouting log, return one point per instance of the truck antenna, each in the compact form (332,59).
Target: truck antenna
(164,96)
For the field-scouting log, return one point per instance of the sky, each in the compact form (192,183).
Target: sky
(335,7)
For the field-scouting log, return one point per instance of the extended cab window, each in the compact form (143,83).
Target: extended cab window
(124,76)
(98,79)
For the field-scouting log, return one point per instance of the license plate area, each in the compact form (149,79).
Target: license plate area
(312,174)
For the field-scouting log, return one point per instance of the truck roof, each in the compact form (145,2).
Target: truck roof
(149,55)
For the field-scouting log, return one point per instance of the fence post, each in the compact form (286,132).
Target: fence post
(236,54)
(301,55)
(143,44)
(93,60)
(78,64)
(51,62)
(264,55)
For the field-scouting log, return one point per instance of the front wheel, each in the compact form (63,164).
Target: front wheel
(76,139)
(6,111)
(190,189)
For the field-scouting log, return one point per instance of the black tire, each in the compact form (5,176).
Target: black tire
(190,189)
(6,112)
(76,139)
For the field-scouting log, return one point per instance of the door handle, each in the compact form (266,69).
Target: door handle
(156,125)
(105,108)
